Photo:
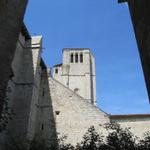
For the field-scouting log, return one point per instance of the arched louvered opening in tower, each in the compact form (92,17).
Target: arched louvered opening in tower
(71,58)
(81,57)
(76,57)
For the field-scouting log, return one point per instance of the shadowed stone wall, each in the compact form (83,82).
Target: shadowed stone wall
(11,20)
(24,89)
(45,121)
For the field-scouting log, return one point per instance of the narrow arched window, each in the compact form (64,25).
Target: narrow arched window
(71,58)
(43,93)
(81,57)
(56,70)
(76,57)
(42,127)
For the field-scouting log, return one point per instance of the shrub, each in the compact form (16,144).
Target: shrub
(119,138)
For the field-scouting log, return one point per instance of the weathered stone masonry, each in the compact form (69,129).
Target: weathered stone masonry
(46,105)
(73,114)
(11,20)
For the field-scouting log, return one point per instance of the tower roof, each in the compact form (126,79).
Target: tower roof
(76,49)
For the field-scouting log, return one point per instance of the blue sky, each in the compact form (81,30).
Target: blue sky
(105,27)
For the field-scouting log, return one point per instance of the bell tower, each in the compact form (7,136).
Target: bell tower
(77,72)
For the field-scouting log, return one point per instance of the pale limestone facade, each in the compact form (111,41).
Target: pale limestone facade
(139,123)
(73,114)
(64,103)
(77,72)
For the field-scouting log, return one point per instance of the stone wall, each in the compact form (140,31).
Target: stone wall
(22,82)
(73,114)
(23,90)
(45,121)
(139,124)
(36,48)
(11,20)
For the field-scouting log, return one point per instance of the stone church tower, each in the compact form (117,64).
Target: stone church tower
(77,72)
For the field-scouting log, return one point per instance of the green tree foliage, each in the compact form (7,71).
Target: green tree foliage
(39,144)
(62,145)
(6,115)
(91,140)
(117,139)
(145,143)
